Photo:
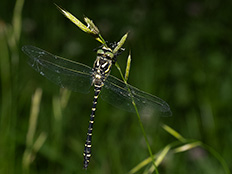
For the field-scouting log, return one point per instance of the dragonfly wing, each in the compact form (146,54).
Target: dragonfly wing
(63,72)
(116,93)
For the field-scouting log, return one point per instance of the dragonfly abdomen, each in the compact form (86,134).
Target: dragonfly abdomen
(88,143)
(101,70)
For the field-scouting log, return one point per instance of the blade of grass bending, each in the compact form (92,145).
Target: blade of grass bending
(74,20)
(158,160)
(173,133)
(213,152)
(189,144)
(217,156)
(137,113)
(90,28)
(95,30)
(160,157)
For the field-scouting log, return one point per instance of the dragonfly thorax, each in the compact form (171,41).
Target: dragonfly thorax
(102,66)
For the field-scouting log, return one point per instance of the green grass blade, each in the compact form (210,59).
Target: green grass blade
(218,157)
(187,146)
(173,133)
(33,146)
(90,28)
(17,19)
(139,119)
(7,118)
(159,158)
(33,117)
(120,43)
(128,67)
(190,144)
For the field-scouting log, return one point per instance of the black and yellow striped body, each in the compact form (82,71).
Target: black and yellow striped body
(101,70)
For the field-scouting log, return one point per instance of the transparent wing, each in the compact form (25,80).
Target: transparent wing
(116,93)
(63,72)
(77,77)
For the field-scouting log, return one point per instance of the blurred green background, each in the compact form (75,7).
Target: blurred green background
(181,52)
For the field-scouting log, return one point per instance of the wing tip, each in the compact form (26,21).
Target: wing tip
(166,110)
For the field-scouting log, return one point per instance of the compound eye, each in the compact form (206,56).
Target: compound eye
(100,51)
(109,54)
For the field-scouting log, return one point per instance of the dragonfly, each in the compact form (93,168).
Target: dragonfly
(79,77)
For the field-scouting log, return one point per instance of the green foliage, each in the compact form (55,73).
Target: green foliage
(181,51)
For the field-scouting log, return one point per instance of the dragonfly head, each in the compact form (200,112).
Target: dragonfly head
(105,52)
